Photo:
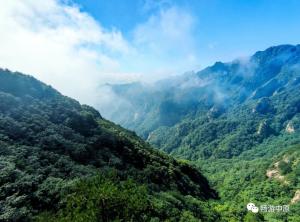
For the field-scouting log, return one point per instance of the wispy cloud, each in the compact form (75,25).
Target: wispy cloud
(69,49)
(60,45)
(152,5)
(166,40)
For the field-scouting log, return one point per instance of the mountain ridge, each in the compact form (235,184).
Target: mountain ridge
(235,120)
(221,85)
(49,142)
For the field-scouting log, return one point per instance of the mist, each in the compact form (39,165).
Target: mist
(62,45)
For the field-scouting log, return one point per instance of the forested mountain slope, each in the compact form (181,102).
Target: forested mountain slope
(61,161)
(236,120)
(253,107)
(223,110)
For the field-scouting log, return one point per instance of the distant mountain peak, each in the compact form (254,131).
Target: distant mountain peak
(281,53)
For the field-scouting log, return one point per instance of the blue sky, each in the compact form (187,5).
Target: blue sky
(79,45)
(223,29)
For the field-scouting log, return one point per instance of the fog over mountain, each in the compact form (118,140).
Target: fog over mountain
(149,111)
(218,87)
(57,157)
(238,121)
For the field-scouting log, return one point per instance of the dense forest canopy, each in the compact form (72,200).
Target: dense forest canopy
(56,153)
(238,122)
(232,119)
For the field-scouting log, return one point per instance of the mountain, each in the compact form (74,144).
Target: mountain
(232,119)
(211,104)
(239,122)
(62,161)
(244,107)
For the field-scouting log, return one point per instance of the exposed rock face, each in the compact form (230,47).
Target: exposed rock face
(263,128)
(296,197)
(290,128)
(274,173)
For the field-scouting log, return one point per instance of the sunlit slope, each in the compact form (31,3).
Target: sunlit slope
(223,110)
(49,143)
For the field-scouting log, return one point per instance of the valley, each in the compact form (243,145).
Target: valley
(231,120)
(149,111)
(216,140)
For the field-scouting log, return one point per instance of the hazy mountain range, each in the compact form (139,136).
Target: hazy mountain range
(238,121)
(216,140)
(262,90)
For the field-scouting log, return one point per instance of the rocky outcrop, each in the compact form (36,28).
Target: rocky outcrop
(290,128)
(264,128)
(296,197)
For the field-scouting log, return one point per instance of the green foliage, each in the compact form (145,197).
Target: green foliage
(236,121)
(107,198)
(237,127)
(240,181)
(102,198)
(221,111)
(251,217)
(284,167)
(49,142)
(188,216)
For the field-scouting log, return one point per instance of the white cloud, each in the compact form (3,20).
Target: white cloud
(61,46)
(150,5)
(167,40)
(69,49)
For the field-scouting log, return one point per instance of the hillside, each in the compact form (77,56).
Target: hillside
(251,108)
(61,161)
(232,119)
(223,110)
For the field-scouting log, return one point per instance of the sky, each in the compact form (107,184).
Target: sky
(78,45)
